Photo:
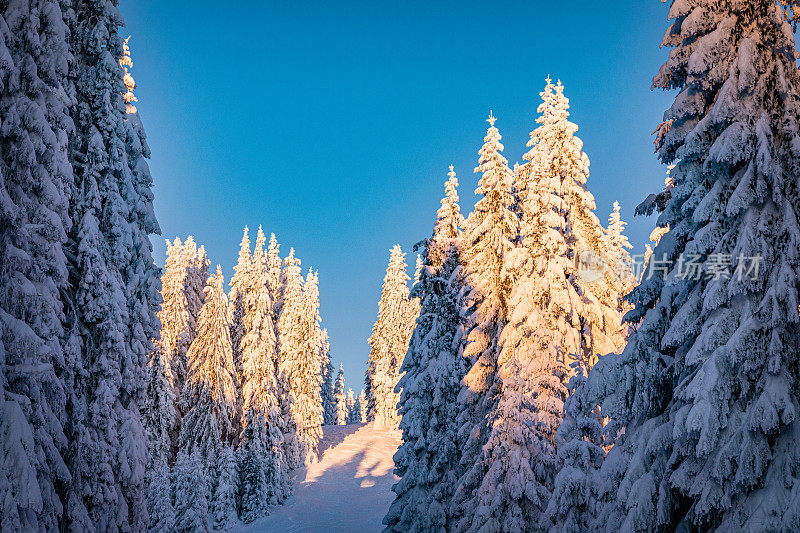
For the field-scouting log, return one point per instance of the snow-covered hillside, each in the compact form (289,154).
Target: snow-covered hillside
(348,490)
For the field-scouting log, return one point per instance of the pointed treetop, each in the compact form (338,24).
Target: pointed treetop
(261,240)
(491,120)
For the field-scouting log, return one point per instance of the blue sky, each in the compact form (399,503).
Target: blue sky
(332,124)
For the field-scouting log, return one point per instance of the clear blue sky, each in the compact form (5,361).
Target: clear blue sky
(332,123)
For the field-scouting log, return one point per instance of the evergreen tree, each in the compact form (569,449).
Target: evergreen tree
(706,386)
(427,460)
(362,406)
(580,440)
(159,416)
(339,397)
(197,265)
(240,285)
(490,236)
(177,323)
(299,363)
(210,392)
(114,288)
(35,184)
(560,234)
(263,470)
(223,507)
(354,416)
(328,401)
(274,275)
(191,494)
(159,498)
(350,403)
(389,343)
(263,465)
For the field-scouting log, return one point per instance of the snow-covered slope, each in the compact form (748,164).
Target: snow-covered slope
(348,490)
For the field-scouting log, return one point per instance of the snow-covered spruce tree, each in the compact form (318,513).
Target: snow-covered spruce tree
(706,387)
(210,392)
(520,456)
(306,377)
(196,278)
(362,406)
(263,467)
(389,343)
(240,285)
(177,322)
(580,441)
(354,416)
(159,415)
(35,186)
(543,325)
(274,278)
(491,234)
(620,278)
(299,367)
(113,282)
(158,491)
(328,401)
(427,460)
(350,404)
(191,494)
(223,504)
(559,230)
(340,398)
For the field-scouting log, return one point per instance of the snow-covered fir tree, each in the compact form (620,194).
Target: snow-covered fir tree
(706,386)
(354,416)
(350,404)
(191,494)
(35,181)
(340,398)
(209,395)
(159,498)
(362,405)
(263,465)
(159,415)
(223,503)
(520,456)
(327,371)
(491,234)
(240,285)
(274,265)
(197,265)
(433,368)
(389,343)
(580,440)
(562,239)
(114,287)
(177,324)
(299,365)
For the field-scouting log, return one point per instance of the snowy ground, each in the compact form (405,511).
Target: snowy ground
(348,490)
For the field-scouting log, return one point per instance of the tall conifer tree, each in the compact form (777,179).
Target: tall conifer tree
(389,343)
(706,387)
(433,369)
(491,234)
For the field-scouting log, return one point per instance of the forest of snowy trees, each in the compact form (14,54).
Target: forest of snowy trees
(238,387)
(541,378)
(540,393)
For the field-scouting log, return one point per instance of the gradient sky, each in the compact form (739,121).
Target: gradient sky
(332,124)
